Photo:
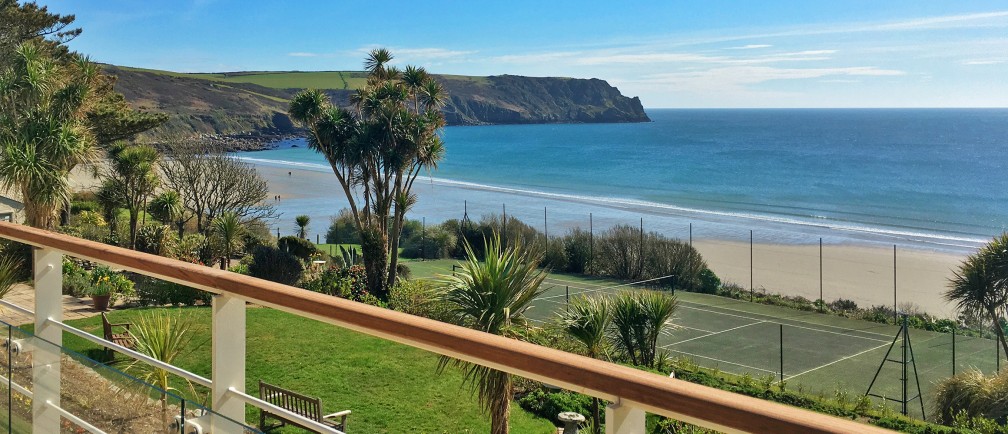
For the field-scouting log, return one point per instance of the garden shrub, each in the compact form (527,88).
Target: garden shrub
(156,292)
(298,247)
(548,405)
(342,229)
(79,206)
(420,298)
(349,283)
(578,250)
(709,282)
(76,280)
(433,243)
(972,393)
(121,285)
(156,239)
(555,257)
(275,265)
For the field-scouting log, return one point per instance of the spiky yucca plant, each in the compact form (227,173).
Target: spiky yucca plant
(639,318)
(164,336)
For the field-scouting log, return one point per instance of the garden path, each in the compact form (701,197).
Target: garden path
(24,296)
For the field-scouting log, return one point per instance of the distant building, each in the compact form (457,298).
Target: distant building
(11,210)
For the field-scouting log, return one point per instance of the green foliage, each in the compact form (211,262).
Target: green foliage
(578,249)
(297,247)
(432,243)
(349,283)
(639,318)
(420,298)
(156,239)
(342,229)
(10,273)
(156,292)
(105,281)
(548,405)
(980,286)
(76,280)
(162,336)
(302,222)
(349,257)
(276,265)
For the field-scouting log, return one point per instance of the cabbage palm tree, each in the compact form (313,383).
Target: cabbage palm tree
(44,130)
(377,152)
(587,320)
(229,230)
(167,207)
(302,223)
(132,174)
(980,286)
(491,295)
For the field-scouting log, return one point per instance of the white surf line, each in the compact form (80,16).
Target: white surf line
(619,286)
(686,304)
(724,361)
(837,361)
(711,334)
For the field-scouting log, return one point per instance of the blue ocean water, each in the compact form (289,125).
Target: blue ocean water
(931,177)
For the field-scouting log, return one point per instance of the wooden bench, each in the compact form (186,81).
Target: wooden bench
(123,339)
(310,408)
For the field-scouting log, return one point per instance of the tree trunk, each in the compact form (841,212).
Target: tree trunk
(134,219)
(181,229)
(500,413)
(394,249)
(374,249)
(596,417)
(998,330)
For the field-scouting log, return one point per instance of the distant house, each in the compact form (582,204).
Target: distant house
(11,210)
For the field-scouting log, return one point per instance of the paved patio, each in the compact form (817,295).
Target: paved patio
(24,296)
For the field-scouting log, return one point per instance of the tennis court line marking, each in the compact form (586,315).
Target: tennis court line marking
(836,361)
(712,334)
(724,361)
(792,325)
(685,303)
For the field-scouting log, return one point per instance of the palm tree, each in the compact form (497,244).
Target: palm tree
(980,286)
(110,201)
(168,208)
(639,319)
(229,230)
(132,174)
(492,295)
(587,319)
(302,223)
(44,130)
(377,152)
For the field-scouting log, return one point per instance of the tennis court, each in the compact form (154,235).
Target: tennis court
(818,353)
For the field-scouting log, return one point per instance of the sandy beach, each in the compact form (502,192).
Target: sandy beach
(860,273)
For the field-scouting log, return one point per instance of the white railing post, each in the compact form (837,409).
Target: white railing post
(228,369)
(623,419)
(48,265)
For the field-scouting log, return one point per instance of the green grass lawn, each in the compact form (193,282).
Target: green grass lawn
(391,388)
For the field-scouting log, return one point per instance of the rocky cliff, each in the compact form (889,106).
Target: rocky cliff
(243,103)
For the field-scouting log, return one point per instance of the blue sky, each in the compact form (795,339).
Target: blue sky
(848,53)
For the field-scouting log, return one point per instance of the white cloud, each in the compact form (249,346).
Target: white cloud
(302,54)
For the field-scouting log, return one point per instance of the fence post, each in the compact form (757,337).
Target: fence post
(623,419)
(822,301)
(895,310)
(752,286)
(228,362)
(781,353)
(46,373)
(953,353)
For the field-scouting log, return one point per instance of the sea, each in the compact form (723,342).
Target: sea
(924,178)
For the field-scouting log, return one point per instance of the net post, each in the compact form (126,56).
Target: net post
(822,301)
(751,284)
(781,353)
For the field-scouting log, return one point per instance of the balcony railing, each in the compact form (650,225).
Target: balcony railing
(633,392)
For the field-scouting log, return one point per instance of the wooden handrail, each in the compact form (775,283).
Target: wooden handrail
(688,402)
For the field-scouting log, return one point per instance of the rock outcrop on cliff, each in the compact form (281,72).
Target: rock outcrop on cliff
(234,103)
